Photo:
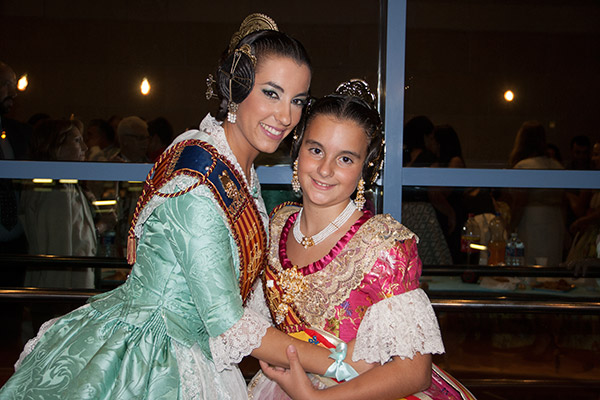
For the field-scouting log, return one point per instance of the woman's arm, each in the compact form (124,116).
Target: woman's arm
(397,378)
(313,358)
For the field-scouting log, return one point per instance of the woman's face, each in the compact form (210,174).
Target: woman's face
(272,109)
(73,148)
(330,160)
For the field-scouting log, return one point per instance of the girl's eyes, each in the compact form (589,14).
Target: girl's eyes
(315,150)
(346,160)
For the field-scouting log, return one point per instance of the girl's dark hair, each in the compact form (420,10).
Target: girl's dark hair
(263,44)
(346,107)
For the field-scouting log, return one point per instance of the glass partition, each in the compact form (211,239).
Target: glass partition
(481,69)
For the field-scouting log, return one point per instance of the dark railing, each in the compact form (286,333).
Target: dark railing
(492,301)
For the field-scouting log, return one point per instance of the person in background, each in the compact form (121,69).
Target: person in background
(59,221)
(133,143)
(13,145)
(537,215)
(161,135)
(14,137)
(586,227)
(448,201)
(553,152)
(581,147)
(418,203)
(419,143)
(133,140)
(101,141)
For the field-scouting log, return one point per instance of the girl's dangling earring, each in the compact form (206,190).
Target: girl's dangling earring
(360,194)
(295,180)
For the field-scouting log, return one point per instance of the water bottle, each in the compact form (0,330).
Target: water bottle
(511,250)
(515,251)
(519,252)
(470,235)
(497,244)
(107,244)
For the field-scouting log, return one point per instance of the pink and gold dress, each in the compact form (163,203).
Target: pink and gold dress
(366,288)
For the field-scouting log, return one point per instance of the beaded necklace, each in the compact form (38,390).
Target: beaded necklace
(309,241)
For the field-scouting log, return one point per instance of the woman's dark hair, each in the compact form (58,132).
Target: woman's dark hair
(415,130)
(263,44)
(346,107)
(448,142)
(104,127)
(48,135)
(530,142)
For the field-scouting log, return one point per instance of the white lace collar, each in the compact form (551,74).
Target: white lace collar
(214,128)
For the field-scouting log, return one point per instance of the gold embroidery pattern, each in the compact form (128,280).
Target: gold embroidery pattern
(320,294)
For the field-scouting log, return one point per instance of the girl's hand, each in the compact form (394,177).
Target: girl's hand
(293,380)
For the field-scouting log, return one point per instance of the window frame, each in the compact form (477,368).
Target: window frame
(394,176)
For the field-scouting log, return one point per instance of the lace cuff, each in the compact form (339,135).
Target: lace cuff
(402,326)
(238,341)
(258,303)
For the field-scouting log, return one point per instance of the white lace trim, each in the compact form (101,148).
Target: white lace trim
(257,302)
(402,326)
(200,380)
(238,341)
(31,343)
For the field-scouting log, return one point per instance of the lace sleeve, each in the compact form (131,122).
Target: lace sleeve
(257,302)
(239,340)
(402,326)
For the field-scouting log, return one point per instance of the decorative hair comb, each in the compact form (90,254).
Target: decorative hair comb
(252,23)
(357,88)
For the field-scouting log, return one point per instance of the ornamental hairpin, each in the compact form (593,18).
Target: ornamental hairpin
(357,88)
(247,50)
(210,92)
(252,23)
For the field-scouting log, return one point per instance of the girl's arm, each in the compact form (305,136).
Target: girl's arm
(312,358)
(397,378)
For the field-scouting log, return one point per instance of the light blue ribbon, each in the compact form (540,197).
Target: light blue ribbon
(339,369)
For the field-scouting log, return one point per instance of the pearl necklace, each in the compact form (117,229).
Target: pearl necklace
(309,241)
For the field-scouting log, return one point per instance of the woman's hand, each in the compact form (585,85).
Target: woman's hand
(293,380)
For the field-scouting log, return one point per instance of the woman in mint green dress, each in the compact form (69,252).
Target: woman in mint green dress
(185,317)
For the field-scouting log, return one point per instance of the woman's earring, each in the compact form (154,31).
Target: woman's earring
(360,194)
(232,113)
(295,180)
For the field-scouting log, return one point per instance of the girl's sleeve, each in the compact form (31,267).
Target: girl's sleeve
(401,321)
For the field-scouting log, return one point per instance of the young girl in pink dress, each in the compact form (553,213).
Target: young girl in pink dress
(338,274)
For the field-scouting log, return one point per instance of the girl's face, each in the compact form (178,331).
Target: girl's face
(272,109)
(73,148)
(330,160)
